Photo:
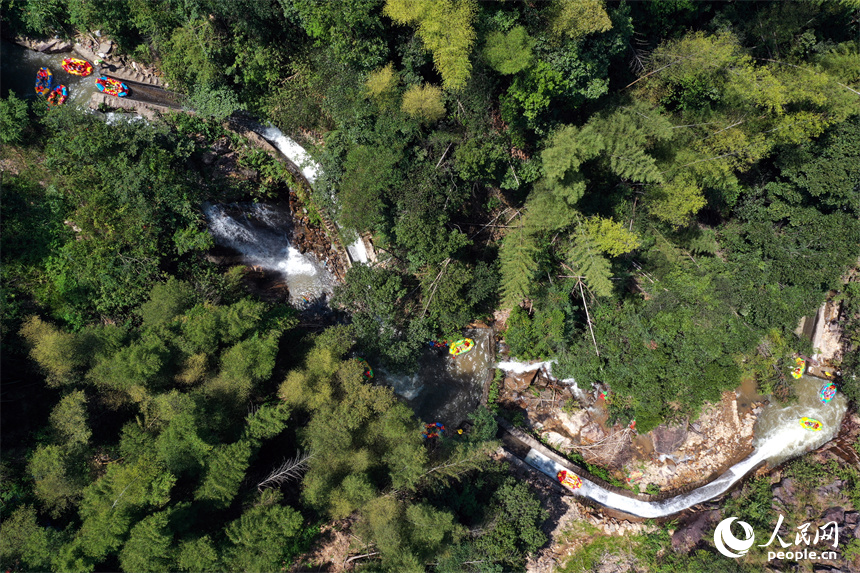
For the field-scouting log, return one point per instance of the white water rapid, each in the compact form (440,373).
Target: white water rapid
(779,436)
(259,232)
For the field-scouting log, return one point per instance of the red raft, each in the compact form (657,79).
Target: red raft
(58,95)
(77,67)
(111,86)
(568,479)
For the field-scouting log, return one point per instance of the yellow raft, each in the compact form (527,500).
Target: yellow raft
(801,366)
(461,346)
(811,424)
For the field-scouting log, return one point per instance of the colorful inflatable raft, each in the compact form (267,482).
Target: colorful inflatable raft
(58,95)
(461,346)
(801,366)
(569,480)
(433,430)
(77,67)
(111,86)
(368,371)
(811,424)
(827,392)
(43,81)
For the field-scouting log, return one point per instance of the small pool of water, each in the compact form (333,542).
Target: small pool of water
(18,67)
(446,389)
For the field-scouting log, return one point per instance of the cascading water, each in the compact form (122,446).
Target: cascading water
(446,389)
(260,233)
(779,436)
(310,169)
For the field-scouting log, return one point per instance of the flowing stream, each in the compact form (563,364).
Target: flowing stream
(444,389)
(778,437)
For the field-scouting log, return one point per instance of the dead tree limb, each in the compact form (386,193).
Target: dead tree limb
(289,470)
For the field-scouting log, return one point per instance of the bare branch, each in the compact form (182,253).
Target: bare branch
(289,470)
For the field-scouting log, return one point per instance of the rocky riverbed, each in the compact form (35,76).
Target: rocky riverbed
(669,457)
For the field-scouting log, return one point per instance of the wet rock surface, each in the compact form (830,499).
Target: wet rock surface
(693,528)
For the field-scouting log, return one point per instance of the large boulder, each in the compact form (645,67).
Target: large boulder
(558,441)
(836,514)
(574,422)
(519,382)
(784,491)
(667,439)
(55,46)
(592,433)
(688,536)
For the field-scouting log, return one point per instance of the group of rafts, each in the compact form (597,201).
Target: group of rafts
(826,394)
(58,95)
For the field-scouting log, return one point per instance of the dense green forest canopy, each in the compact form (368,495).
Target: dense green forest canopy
(656,191)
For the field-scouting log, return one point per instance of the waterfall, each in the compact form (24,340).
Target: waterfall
(260,233)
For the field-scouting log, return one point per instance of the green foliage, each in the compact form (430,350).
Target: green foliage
(577,18)
(514,530)
(259,538)
(510,52)
(351,33)
(530,338)
(198,555)
(408,535)
(127,188)
(148,548)
(753,504)
(518,266)
(369,173)
(58,478)
(484,425)
(24,541)
(267,422)
(424,102)
(58,353)
(445,28)
(217,103)
(225,470)
(586,260)
(381,82)
(13,119)
(69,419)
(380,317)
(166,302)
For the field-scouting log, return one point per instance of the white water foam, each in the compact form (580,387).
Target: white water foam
(292,151)
(517,367)
(296,264)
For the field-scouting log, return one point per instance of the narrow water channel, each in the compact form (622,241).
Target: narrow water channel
(778,437)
